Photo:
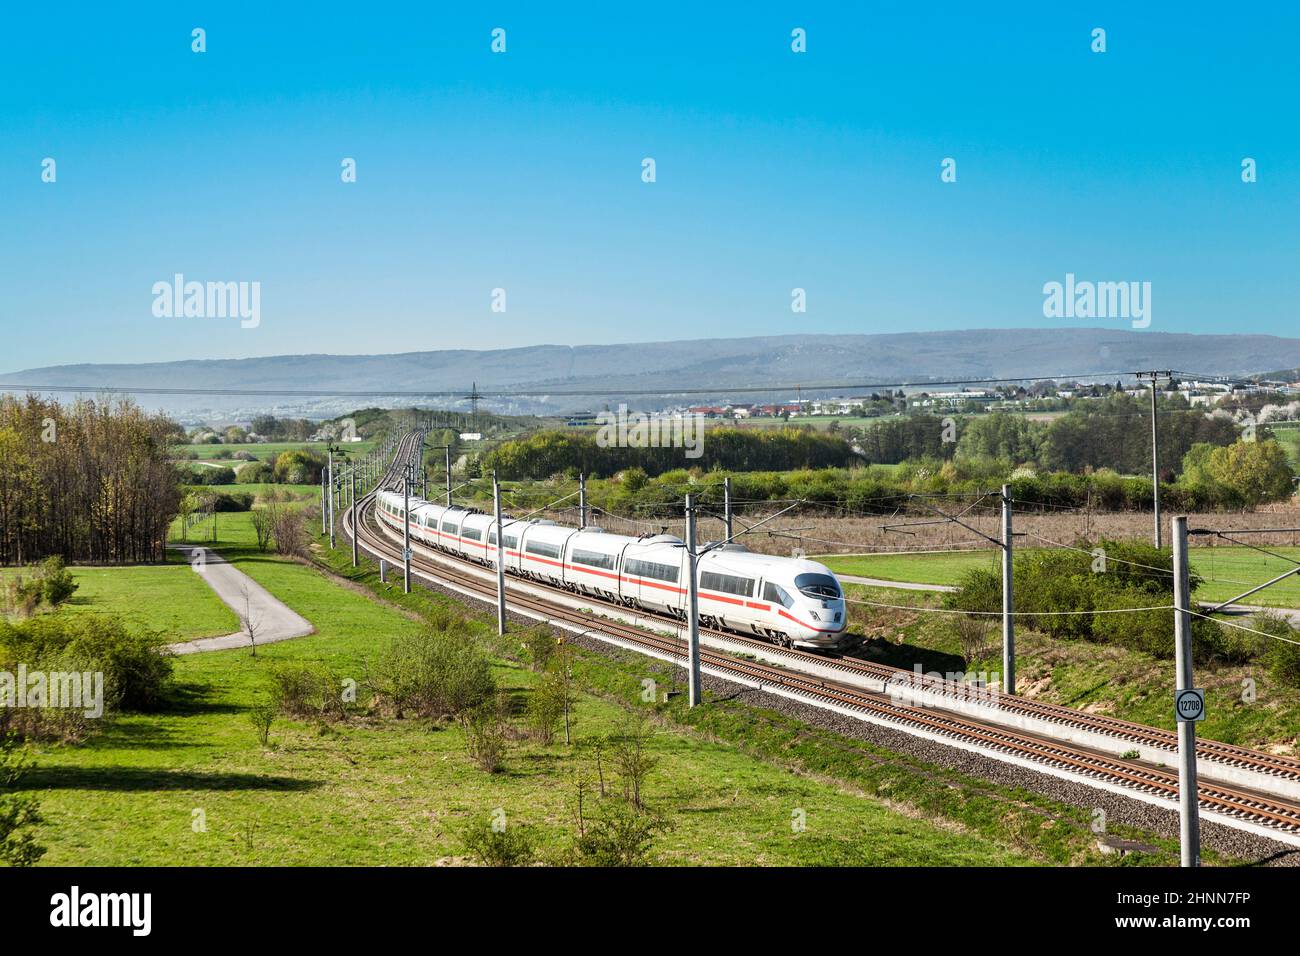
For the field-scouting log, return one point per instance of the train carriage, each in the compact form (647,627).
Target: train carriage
(654,574)
(591,563)
(542,551)
(511,529)
(474,535)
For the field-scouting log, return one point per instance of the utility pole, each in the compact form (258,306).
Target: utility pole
(582,500)
(447,450)
(406,535)
(330,496)
(353,505)
(1008,600)
(1155,464)
(1155,375)
(693,605)
(501,556)
(1189,822)
(726,506)
(324,505)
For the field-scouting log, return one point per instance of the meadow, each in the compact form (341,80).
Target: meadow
(740,785)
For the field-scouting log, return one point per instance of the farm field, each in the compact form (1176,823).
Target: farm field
(1288,436)
(379,791)
(264,451)
(1227,571)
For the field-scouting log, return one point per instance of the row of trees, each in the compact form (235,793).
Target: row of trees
(1113,433)
(89,481)
(546,453)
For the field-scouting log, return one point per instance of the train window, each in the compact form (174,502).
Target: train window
(777,595)
(449,526)
(651,569)
(817,585)
(594,559)
(541,547)
(511,541)
(727,583)
(474,534)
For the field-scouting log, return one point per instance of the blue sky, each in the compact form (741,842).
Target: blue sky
(522,171)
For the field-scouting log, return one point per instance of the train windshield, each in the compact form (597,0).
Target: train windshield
(817,585)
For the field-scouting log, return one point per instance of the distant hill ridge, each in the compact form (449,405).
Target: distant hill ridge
(785,360)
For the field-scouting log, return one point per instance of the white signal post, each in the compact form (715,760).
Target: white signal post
(352,504)
(501,556)
(406,534)
(329,496)
(1189,821)
(582,500)
(693,605)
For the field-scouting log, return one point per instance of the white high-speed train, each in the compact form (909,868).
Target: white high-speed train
(788,600)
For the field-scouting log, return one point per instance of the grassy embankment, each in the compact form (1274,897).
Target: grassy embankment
(1094,677)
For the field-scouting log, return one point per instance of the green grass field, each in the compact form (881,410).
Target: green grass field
(193,785)
(374,791)
(1288,436)
(1227,571)
(168,598)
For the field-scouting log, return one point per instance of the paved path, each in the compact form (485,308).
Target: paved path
(273,620)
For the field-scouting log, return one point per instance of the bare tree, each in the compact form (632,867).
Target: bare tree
(250,620)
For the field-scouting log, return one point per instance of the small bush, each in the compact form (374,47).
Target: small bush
(539,646)
(486,733)
(617,834)
(56,581)
(1280,656)
(308,690)
(508,846)
(262,715)
(433,673)
(19,813)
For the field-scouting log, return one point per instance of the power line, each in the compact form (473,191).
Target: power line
(602,391)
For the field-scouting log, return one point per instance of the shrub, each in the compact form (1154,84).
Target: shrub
(546,705)
(1280,656)
(308,690)
(19,814)
(136,666)
(433,673)
(618,834)
(485,728)
(507,846)
(262,716)
(289,531)
(56,581)
(539,646)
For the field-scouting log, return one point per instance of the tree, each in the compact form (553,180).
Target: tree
(1257,471)
(263,520)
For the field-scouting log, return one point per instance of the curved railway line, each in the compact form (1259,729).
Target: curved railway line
(1265,813)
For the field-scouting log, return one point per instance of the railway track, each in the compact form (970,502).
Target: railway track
(1273,814)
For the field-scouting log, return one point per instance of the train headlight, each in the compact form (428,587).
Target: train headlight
(815,615)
